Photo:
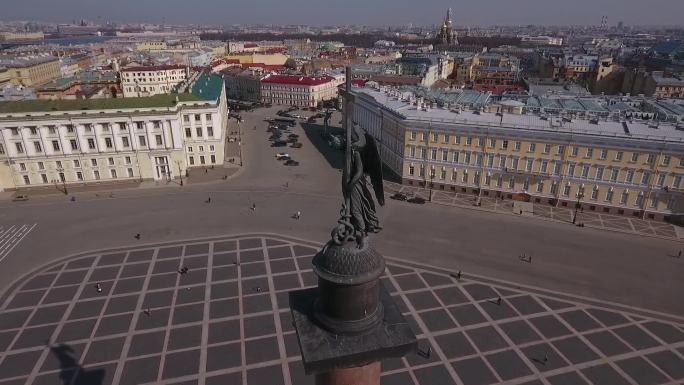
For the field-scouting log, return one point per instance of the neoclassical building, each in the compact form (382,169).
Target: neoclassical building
(45,142)
(608,153)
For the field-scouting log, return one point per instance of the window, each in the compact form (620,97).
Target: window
(213,159)
(37,147)
(423,153)
(499,180)
(188,132)
(74,144)
(624,197)
(561,150)
(20,148)
(124,141)
(594,193)
(112,172)
(110,161)
(566,190)
(70,128)
(130,172)
(93,162)
(2,149)
(186,118)
(466,159)
(650,159)
(159,140)
(502,161)
(490,160)
(413,135)
(41,166)
(79,175)
(210,132)
(604,154)
(618,155)
(44,178)
(528,166)
(433,154)
(435,137)
(445,155)
(156,124)
(661,180)
(504,145)
(526,184)
(585,171)
(464,177)
(199,131)
(421,171)
(88,127)
(128,160)
(27,180)
(488,179)
(22,166)
(517,146)
(666,160)
(197,117)
(446,138)
(432,173)
(55,145)
(96,175)
(202,159)
(142,140)
(629,177)
(676,181)
(108,142)
(457,140)
(645,177)
(554,188)
(514,163)
(574,151)
(455,156)
(547,148)
(614,174)
(609,195)
(91,143)
(139,125)
(599,173)
(544,167)
(52,130)
(469,141)
(590,153)
(511,183)
(192,160)
(58,164)
(639,201)
(571,170)
(635,156)
(77,164)
(681,162)
(532,147)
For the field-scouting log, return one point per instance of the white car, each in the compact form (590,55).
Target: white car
(282,156)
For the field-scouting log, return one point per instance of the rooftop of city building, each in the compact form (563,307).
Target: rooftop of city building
(205,87)
(629,118)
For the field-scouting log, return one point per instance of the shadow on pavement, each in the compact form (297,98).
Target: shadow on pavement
(315,133)
(70,367)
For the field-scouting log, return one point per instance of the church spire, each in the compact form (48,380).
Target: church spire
(448,16)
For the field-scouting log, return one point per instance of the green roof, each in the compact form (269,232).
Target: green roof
(161,101)
(207,87)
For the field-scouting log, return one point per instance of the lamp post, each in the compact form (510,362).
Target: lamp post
(180,172)
(580,195)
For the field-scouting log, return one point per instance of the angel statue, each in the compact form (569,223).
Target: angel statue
(359,214)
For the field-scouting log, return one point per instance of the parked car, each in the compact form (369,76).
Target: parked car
(296,145)
(399,196)
(20,198)
(282,156)
(416,200)
(291,162)
(293,136)
(279,143)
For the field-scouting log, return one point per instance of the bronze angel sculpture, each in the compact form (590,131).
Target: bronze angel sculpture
(359,213)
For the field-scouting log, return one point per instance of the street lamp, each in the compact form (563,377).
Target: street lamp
(577,206)
(180,172)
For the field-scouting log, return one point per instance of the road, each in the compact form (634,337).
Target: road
(617,267)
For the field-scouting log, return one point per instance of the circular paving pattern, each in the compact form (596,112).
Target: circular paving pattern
(128,316)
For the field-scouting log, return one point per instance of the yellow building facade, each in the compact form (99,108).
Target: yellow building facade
(489,154)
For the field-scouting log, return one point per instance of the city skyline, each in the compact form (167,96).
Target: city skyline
(403,12)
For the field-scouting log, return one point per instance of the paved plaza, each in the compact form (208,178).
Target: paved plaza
(227,321)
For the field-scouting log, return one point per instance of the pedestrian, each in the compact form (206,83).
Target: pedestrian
(98,288)
(206,171)
(208,200)
(253,206)
(73,198)
(498,301)
(298,214)
(679,254)
(137,236)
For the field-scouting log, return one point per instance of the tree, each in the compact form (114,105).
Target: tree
(291,64)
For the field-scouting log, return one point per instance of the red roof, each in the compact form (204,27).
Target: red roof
(267,67)
(250,45)
(297,80)
(154,68)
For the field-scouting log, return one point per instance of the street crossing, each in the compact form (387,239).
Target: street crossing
(11,236)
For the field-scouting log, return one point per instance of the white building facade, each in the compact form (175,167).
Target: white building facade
(79,146)
(301,91)
(151,80)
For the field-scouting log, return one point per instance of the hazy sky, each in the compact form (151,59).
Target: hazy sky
(367,12)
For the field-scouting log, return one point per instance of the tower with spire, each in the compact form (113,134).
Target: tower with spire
(446,34)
